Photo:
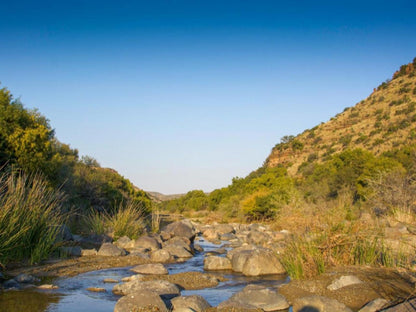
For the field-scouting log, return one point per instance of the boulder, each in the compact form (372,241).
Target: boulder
(319,303)
(374,305)
(257,297)
(258,238)
(150,268)
(179,241)
(136,277)
(222,229)
(108,250)
(141,301)
(344,281)
(211,234)
(239,259)
(146,242)
(181,228)
(160,256)
(160,287)
(178,251)
(124,242)
(194,303)
(262,261)
(214,263)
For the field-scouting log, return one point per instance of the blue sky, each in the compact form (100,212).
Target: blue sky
(181,95)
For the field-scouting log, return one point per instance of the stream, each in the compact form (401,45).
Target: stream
(73,295)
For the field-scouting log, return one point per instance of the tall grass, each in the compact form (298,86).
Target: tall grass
(30,217)
(126,219)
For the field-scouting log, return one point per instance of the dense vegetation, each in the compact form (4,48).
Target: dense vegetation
(45,184)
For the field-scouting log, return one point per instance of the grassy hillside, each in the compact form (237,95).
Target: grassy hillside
(383,121)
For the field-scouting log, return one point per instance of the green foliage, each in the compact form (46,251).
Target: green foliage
(30,217)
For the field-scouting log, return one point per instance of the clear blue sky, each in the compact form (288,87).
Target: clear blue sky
(181,95)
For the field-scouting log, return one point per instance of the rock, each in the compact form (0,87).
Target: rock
(71,251)
(95,240)
(213,263)
(257,297)
(227,237)
(222,229)
(11,284)
(194,303)
(257,238)
(344,281)
(211,234)
(136,277)
(151,268)
(108,250)
(160,287)
(181,228)
(124,242)
(88,252)
(375,305)
(177,251)
(198,248)
(262,261)
(319,304)
(239,259)
(96,289)
(26,278)
(141,300)
(160,256)
(179,241)
(110,280)
(64,234)
(47,286)
(147,242)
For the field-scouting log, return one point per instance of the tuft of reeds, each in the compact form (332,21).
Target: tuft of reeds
(30,217)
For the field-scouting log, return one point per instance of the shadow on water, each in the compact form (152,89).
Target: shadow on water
(73,295)
(27,301)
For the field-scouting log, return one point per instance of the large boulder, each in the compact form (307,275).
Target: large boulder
(256,297)
(182,228)
(239,259)
(124,242)
(343,281)
(192,303)
(141,301)
(262,261)
(109,250)
(214,263)
(160,287)
(319,303)
(178,251)
(150,268)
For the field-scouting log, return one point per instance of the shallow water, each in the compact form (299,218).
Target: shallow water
(73,295)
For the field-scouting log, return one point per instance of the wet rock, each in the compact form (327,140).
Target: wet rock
(147,242)
(151,268)
(96,289)
(141,301)
(108,249)
(47,286)
(319,303)
(26,278)
(194,303)
(257,297)
(160,256)
(11,284)
(344,281)
(110,280)
(198,248)
(262,261)
(182,229)
(213,263)
(408,305)
(71,251)
(88,252)
(375,305)
(160,287)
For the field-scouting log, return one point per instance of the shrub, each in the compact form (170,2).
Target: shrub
(127,220)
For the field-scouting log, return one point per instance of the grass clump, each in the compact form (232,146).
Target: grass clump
(30,217)
(126,219)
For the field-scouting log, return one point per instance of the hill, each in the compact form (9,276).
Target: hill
(383,121)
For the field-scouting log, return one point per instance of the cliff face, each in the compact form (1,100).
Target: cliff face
(385,120)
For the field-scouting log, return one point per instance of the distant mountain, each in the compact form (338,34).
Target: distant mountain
(384,120)
(159,197)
